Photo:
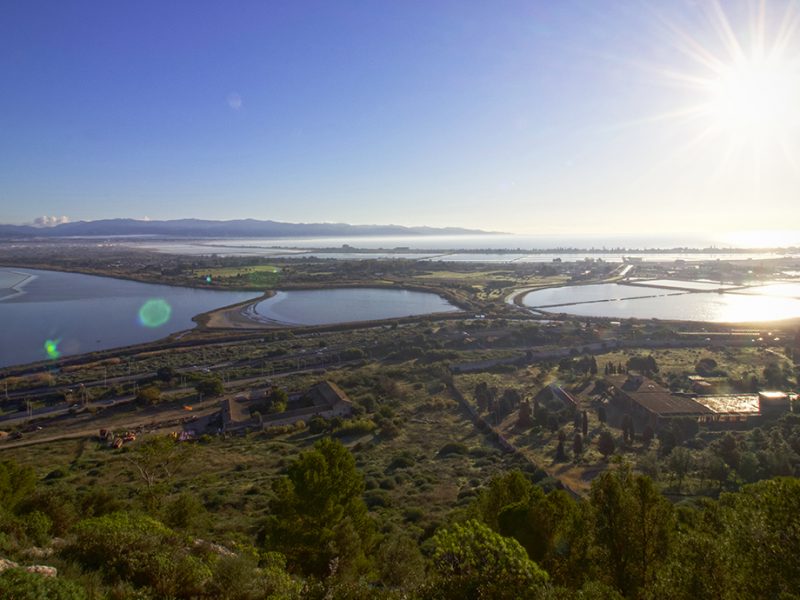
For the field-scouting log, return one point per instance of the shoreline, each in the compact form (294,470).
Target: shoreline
(242,315)
(19,286)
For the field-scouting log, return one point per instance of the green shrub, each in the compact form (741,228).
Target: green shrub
(413,514)
(55,474)
(37,527)
(453,448)
(185,512)
(317,424)
(17,584)
(358,427)
(402,461)
(125,546)
(376,498)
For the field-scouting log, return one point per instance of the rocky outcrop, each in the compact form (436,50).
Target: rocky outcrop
(43,570)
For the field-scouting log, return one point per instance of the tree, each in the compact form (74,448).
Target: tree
(761,525)
(714,468)
(317,424)
(627,427)
(400,562)
(561,455)
(605,443)
(647,435)
(705,367)
(166,373)
(239,577)
(16,483)
(774,375)
(483,396)
(480,397)
(577,445)
(729,450)
(502,491)
(148,395)
(667,441)
(210,386)
(634,526)
(471,561)
(680,463)
(585,423)
(643,364)
(318,517)
(277,401)
(510,399)
(186,512)
(749,467)
(524,419)
(157,460)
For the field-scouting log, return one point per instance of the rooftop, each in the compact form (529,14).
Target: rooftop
(238,409)
(327,393)
(731,403)
(655,398)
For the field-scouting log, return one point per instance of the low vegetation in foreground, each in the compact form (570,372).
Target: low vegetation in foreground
(311,533)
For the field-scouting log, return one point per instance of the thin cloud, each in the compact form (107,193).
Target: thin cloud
(234,101)
(50,221)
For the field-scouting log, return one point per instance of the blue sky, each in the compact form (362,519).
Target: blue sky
(515,116)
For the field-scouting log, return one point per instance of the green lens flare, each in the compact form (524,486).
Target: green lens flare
(51,348)
(208,278)
(154,313)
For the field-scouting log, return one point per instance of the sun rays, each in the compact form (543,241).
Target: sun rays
(741,87)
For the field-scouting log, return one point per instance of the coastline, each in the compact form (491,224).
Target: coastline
(18,287)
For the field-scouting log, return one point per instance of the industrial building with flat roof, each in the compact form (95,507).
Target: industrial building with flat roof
(649,402)
(652,404)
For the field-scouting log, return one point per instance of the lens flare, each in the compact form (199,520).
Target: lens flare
(155,312)
(208,278)
(51,349)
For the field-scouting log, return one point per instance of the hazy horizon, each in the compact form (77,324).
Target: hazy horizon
(755,239)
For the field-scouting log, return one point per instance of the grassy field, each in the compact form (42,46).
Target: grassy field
(736,363)
(215,272)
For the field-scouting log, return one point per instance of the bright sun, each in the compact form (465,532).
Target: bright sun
(754,98)
(741,87)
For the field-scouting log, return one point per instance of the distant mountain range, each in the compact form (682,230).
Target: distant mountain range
(195,228)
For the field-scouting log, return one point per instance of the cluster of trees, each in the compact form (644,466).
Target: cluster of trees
(584,364)
(489,399)
(732,459)
(645,364)
(625,540)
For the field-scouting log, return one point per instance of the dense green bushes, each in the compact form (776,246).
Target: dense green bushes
(508,539)
(17,584)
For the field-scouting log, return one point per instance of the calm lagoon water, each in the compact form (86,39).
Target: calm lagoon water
(86,313)
(589,293)
(684,284)
(324,307)
(614,301)
(784,290)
